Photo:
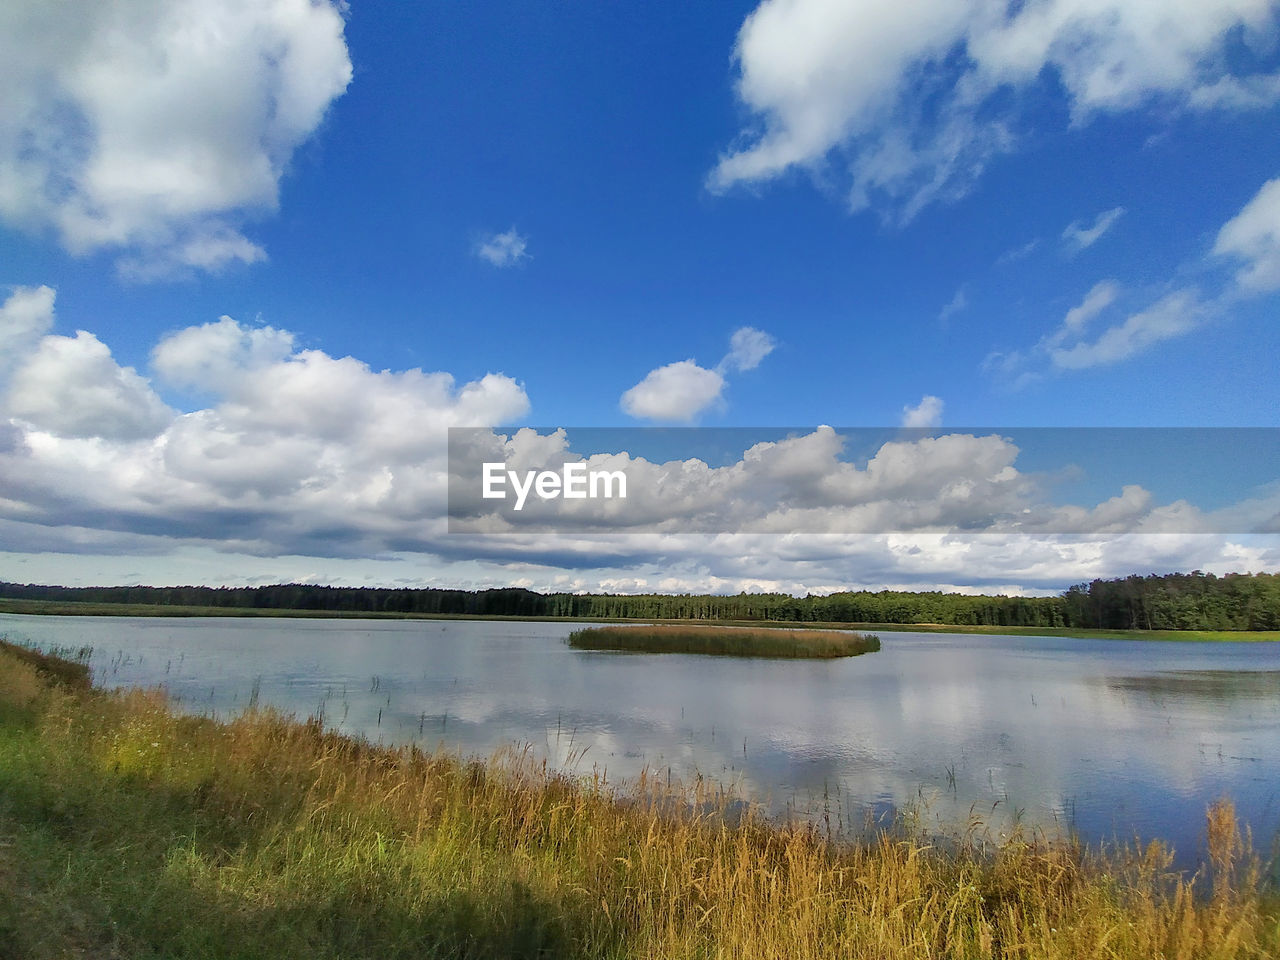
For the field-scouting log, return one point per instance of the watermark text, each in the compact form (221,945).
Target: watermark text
(573,482)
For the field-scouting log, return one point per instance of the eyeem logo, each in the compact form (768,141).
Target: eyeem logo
(573,482)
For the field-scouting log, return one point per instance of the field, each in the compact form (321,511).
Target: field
(128,830)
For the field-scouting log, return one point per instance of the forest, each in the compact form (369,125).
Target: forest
(1175,601)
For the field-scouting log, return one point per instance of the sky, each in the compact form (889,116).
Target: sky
(256,259)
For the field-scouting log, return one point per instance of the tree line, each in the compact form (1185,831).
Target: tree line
(1176,601)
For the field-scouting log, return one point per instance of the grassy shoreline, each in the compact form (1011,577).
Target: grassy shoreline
(127,830)
(70,608)
(765,642)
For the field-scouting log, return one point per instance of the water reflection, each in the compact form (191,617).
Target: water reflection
(1113,739)
(1214,685)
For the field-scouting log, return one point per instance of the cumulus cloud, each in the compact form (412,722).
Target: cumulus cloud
(503,249)
(1253,236)
(25,317)
(926,413)
(72,387)
(68,386)
(216,356)
(679,391)
(1079,237)
(682,391)
(299,452)
(913,99)
(304,455)
(157,130)
(806,484)
(801,484)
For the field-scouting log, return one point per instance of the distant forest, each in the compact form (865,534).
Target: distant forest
(1176,601)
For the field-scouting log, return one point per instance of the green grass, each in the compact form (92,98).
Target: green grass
(130,831)
(727,641)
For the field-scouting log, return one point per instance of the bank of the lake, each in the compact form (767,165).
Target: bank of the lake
(71,608)
(1105,738)
(130,830)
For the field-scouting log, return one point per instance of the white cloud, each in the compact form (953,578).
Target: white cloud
(1232,93)
(1253,235)
(209,249)
(866,82)
(1010,369)
(308,456)
(1078,317)
(300,452)
(1068,348)
(1101,296)
(683,390)
(503,249)
(804,485)
(1079,237)
(25,317)
(157,129)
(797,485)
(679,391)
(1014,254)
(956,304)
(926,413)
(1171,316)
(72,387)
(747,347)
(819,564)
(819,72)
(215,356)
(379,413)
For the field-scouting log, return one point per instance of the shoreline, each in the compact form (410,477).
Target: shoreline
(132,830)
(72,608)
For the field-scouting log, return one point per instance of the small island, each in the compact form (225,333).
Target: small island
(776,642)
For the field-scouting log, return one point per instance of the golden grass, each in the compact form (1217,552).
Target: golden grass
(726,641)
(133,831)
(67,666)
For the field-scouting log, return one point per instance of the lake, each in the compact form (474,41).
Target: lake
(1111,739)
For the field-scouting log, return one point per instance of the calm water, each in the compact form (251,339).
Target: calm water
(1113,739)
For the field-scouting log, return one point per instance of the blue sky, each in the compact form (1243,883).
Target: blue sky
(1044,214)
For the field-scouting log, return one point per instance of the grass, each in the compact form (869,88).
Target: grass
(128,830)
(65,665)
(72,608)
(727,641)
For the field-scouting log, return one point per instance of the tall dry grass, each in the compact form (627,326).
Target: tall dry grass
(135,831)
(727,641)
